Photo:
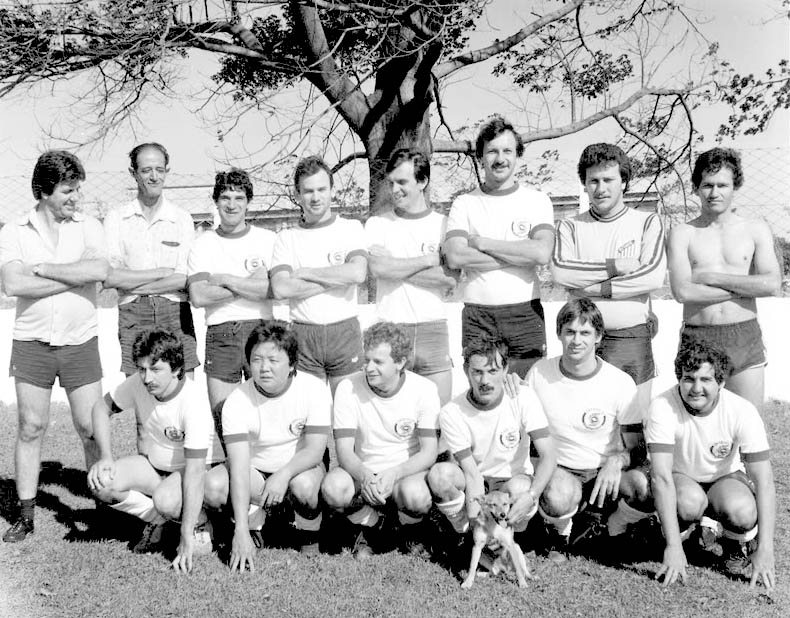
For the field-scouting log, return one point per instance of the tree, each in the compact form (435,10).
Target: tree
(379,65)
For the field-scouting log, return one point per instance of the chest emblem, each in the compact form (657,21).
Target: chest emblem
(509,438)
(336,258)
(593,419)
(521,228)
(720,450)
(626,249)
(297,427)
(430,247)
(405,427)
(174,434)
(252,263)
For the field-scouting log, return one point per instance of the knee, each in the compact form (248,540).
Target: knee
(560,498)
(413,498)
(105,494)
(441,481)
(739,515)
(691,504)
(337,491)
(31,429)
(304,490)
(215,490)
(168,503)
(635,488)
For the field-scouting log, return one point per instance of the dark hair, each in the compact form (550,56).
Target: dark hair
(493,129)
(583,309)
(310,166)
(711,161)
(695,352)
(488,347)
(140,147)
(277,332)
(388,332)
(159,344)
(422,168)
(603,154)
(232,180)
(54,167)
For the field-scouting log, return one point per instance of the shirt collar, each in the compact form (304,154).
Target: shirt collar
(165,211)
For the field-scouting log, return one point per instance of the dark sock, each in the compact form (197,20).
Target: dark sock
(27,507)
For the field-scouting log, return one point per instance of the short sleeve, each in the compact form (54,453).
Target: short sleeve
(95,239)
(345,410)
(123,396)
(356,241)
(428,409)
(112,235)
(458,219)
(282,256)
(543,212)
(629,411)
(533,416)
(235,413)
(375,232)
(751,430)
(198,423)
(661,422)
(199,259)
(10,250)
(319,414)
(455,432)
(186,232)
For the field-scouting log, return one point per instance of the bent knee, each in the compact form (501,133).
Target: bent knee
(337,490)
(413,497)
(560,498)
(443,480)
(168,503)
(215,490)
(305,488)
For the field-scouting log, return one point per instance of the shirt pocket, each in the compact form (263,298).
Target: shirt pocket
(168,254)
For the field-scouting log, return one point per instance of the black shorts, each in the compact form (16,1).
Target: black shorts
(38,363)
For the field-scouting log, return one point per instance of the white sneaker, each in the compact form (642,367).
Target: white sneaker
(204,539)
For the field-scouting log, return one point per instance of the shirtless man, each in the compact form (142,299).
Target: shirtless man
(719,263)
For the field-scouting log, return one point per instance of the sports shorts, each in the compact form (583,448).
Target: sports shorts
(496,484)
(149,311)
(225,342)
(738,475)
(430,347)
(522,326)
(329,350)
(630,350)
(37,363)
(742,341)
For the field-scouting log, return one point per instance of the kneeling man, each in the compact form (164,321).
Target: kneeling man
(488,432)
(276,427)
(175,441)
(385,426)
(592,410)
(709,459)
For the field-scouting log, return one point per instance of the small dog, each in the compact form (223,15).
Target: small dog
(491,528)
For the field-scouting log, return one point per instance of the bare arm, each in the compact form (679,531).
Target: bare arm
(384,266)
(353,272)
(674,563)
(547,463)
(421,460)
(684,289)
(204,294)
(78,273)
(192,481)
(125,279)
(309,456)
(19,280)
(287,286)
(242,547)
(102,472)
(475,486)
(176,282)
(527,252)
(436,277)
(763,559)
(254,287)
(460,255)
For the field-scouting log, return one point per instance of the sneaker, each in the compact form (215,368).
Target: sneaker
(150,540)
(204,543)
(737,557)
(709,541)
(307,542)
(257,538)
(19,531)
(641,541)
(587,529)
(555,546)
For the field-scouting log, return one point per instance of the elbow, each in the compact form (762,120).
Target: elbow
(543,257)
(278,293)
(453,260)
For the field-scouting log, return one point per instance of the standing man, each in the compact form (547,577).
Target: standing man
(148,241)
(594,417)
(499,234)
(175,441)
(317,266)
(709,459)
(613,255)
(719,264)
(404,245)
(385,427)
(52,258)
(276,429)
(227,274)
(489,433)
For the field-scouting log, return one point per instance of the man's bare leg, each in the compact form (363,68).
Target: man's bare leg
(81,400)
(749,384)
(33,409)
(444,384)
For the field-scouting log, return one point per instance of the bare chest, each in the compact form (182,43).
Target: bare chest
(730,248)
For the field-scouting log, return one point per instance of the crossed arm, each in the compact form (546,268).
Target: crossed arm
(424,271)
(306,282)
(485,254)
(51,278)
(222,287)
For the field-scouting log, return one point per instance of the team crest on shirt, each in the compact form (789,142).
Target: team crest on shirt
(405,427)
(174,434)
(336,258)
(521,228)
(509,438)
(594,419)
(297,427)
(430,247)
(252,263)
(720,450)
(626,249)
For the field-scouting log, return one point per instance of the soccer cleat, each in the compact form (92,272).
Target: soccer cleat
(150,540)
(555,545)
(19,531)
(709,541)
(203,535)
(736,556)
(590,526)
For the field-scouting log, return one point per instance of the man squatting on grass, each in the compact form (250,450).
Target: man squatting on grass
(175,443)
(488,431)
(385,428)
(52,258)
(710,464)
(276,426)
(592,410)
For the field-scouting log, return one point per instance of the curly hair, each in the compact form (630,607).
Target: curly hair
(696,352)
(389,332)
(711,161)
(157,344)
(602,153)
(234,179)
(493,129)
(54,167)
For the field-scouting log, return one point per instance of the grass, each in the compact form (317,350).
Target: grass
(61,572)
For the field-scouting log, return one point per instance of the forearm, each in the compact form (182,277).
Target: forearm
(421,460)
(76,273)
(240,494)
(255,288)
(167,285)
(471,259)
(203,294)
(750,286)
(125,279)
(294,288)
(697,293)
(31,286)
(351,463)
(398,269)
(526,252)
(192,494)
(100,420)
(304,459)
(666,507)
(433,278)
(543,471)
(334,276)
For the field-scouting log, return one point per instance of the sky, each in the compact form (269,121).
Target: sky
(25,120)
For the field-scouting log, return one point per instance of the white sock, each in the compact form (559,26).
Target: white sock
(563,523)
(366,516)
(712,524)
(140,505)
(741,537)
(455,512)
(310,525)
(624,515)
(256,517)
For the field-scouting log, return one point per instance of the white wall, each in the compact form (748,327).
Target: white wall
(772,313)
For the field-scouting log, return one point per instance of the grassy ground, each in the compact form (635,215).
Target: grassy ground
(62,572)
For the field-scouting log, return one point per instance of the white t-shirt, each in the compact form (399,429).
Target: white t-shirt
(705,448)
(585,415)
(239,255)
(387,430)
(498,437)
(169,431)
(511,214)
(276,426)
(327,244)
(407,236)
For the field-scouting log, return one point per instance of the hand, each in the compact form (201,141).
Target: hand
(674,565)
(242,550)
(385,481)
(763,566)
(101,474)
(513,384)
(370,490)
(523,504)
(216,279)
(472,508)
(183,559)
(607,483)
(275,488)
(625,266)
